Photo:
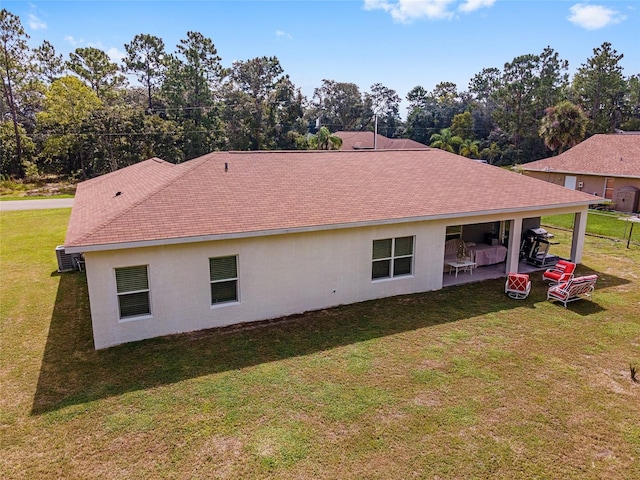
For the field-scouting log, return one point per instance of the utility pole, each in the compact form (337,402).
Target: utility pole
(375,131)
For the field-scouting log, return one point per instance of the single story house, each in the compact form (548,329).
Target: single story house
(603,165)
(235,237)
(370,140)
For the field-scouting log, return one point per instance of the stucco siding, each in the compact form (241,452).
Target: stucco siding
(590,183)
(593,184)
(278,275)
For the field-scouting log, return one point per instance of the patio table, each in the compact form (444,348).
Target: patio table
(464,265)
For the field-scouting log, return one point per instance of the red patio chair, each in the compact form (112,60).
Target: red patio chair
(572,290)
(560,272)
(517,285)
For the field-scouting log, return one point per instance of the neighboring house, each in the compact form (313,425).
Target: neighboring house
(369,141)
(236,237)
(604,165)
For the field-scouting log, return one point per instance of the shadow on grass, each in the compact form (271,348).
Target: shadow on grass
(73,372)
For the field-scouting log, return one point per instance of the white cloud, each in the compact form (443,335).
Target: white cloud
(115,55)
(73,41)
(593,17)
(407,10)
(283,34)
(473,5)
(35,23)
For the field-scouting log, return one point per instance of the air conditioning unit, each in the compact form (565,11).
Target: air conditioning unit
(580,184)
(67,262)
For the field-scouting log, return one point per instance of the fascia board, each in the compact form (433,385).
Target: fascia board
(573,172)
(319,228)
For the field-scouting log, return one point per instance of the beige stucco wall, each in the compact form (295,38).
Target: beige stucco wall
(590,183)
(278,275)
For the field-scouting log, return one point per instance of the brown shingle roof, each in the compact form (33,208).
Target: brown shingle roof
(283,191)
(364,140)
(614,155)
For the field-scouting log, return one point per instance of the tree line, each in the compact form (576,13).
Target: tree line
(82,116)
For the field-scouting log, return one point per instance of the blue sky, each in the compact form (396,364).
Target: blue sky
(399,43)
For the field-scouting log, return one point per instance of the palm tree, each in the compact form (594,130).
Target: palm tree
(469,148)
(563,126)
(445,140)
(324,140)
(492,152)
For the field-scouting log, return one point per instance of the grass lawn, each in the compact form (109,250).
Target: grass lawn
(599,223)
(48,186)
(458,383)
(26,197)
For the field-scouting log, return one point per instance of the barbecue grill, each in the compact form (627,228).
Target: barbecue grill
(535,247)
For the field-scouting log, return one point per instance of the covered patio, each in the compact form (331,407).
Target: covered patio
(489,272)
(566,245)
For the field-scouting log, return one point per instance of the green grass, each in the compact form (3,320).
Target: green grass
(459,383)
(48,186)
(34,197)
(599,223)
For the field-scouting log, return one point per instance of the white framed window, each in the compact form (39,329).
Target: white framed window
(392,257)
(223,276)
(453,231)
(132,287)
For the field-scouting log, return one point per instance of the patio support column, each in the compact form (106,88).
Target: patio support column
(513,256)
(577,241)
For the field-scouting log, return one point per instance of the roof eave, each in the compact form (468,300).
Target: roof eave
(573,172)
(318,228)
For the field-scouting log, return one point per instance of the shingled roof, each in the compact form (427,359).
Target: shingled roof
(613,155)
(236,194)
(364,141)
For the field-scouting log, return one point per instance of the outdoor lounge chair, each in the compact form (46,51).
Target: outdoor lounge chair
(573,289)
(517,285)
(560,272)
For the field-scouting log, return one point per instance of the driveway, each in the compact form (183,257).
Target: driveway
(39,204)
